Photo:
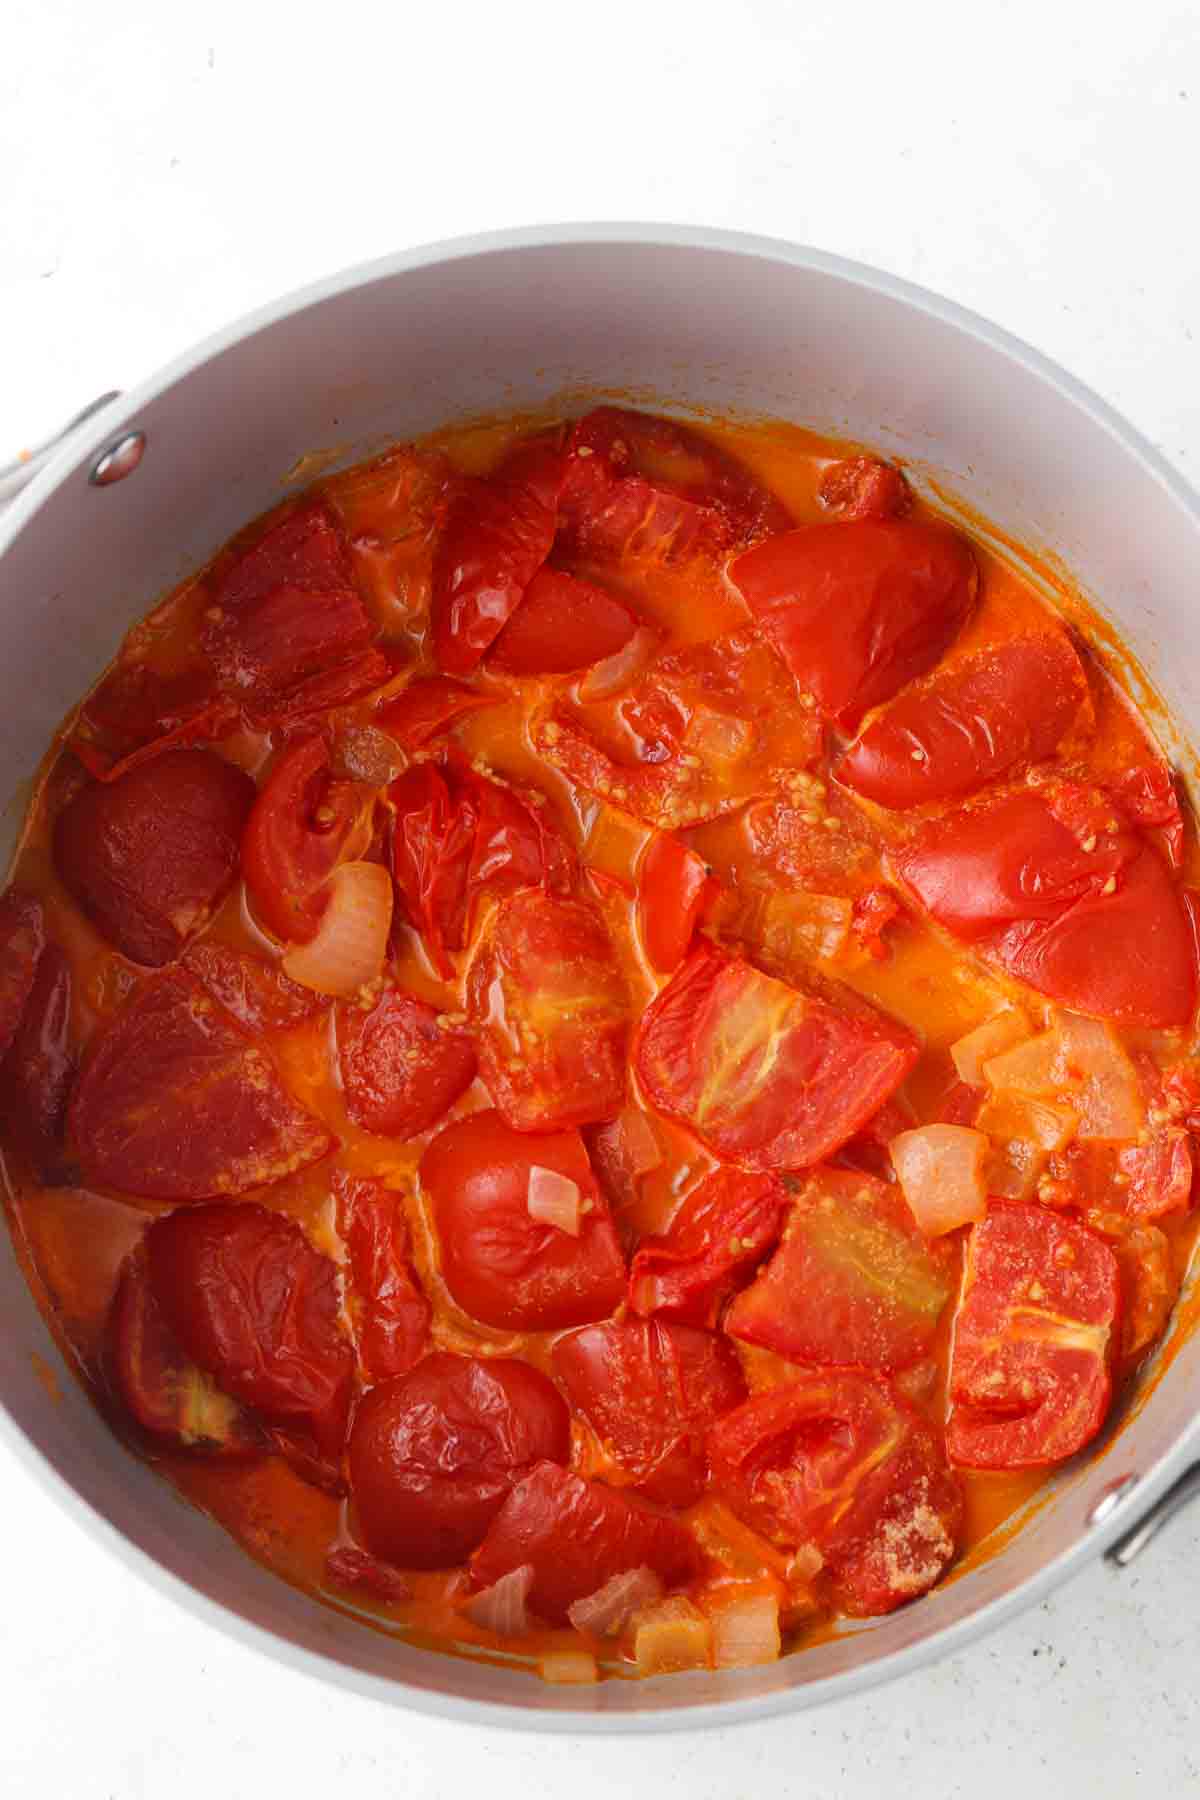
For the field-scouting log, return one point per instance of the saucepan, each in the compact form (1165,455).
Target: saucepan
(688,321)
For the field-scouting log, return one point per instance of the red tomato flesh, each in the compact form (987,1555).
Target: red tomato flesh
(38,1073)
(393,1314)
(402,1070)
(715,1241)
(257,993)
(304,824)
(427,709)
(674,886)
(561,625)
(22,940)
(862,487)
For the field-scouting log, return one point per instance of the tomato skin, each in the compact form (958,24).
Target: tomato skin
(434,1455)
(303,824)
(393,1314)
(674,887)
(576,1535)
(138,713)
(1025,1394)
(966,726)
(501,1266)
(348,1567)
(149,856)
(561,625)
(176,1102)
(762,1074)
(22,940)
(689,1271)
(257,993)
(649,1389)
(430,707)
(38,1073)
(852,1281)
(856,610)
(862,487)
(551,1011)
(401,1070)
(838,1459)
(253,1304)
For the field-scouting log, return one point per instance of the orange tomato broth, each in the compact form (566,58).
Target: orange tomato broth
(71,1242)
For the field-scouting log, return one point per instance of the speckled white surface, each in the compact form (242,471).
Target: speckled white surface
(166,169)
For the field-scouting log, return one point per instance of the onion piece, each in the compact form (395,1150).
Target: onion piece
(673,1635)
(502,1607)
(1078,1063)
(640,1148)
(351,943)
(1024,1133)
(623,666)
(746,1632)
(1002,1032)
(554,1199)
(940,1170)
(803,924)
(566,1667)
(608,1609)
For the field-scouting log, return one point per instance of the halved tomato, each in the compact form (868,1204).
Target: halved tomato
(402,1066)
(392,1314)
(561,625)
(304,824)
(22,940)
(257,993)
(38,1072)
(721,1232)
(674,886)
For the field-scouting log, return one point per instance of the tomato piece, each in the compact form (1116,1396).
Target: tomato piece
(252,1303)
(177,1102)
(764,1075)
(552,1013)
(862,487)
(497,536)
(303,824)
(349,1567)
(434,1454)
(286,614)
(501,1265)
(258,993)
(576,1535)
(1101,929)
(22,940)
(1147,796)
(402,1069)
(393,1314)
(838,1459)
(429,708)
(1149,1284)
(38,1073)
(851,1282)
(857,610)
(150,855)
(674,887)
(139,712)
(561,625)
(715,1241)
(161,1389)
(964,727)
(1159,1174)
(873,912)
(1037,1327)
(649,1389)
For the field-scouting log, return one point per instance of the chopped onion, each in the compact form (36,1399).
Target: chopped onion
(351,943)
(502,1607)
(746,1632)
(940,1169)
(1028,1068)
(554,1199)
(622,667)
(568,1666)
(607,1610)
(804,924)
(672,1635)
(642,1150)
(986,1041)
(1080,1064)
(1023,1134)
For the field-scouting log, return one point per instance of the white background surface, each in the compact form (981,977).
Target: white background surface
(168,167)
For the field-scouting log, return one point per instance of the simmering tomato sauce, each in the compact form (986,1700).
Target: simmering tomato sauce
(597,1041)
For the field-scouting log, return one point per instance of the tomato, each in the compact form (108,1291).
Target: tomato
(764,1075)
(497,536)
(551,1011)
(1149,1284)
(149,856)
(1159,1174)
(561,625)
(254,1305)
(286,629)
(401,1067)
(392,1314)
(576,1535)
(1101,929)
(649,1389)
(839,1460)
(862,487)
(257,993)
(162,1390)
(348,1567)
(716,1239)
(38,1073)
(22,940)
(1038,1325)
(674,886)
(966,726)
(857,610)
(139,712)
(177,1102)
(501,1265)
(851,1282)
(1146,795)
(434,1454)
(304,824)
(430,707)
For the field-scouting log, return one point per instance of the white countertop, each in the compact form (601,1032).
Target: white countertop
(168,168)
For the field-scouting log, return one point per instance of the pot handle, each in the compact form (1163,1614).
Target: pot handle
(17,475)
(1177,1496)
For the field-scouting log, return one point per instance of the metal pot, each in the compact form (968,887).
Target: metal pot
(684,319)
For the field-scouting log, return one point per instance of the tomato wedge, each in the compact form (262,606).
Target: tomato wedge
(501,1265)
(862,487)
(392,1314)
(963,728)
(721,1232)
(856,610)
(428,708)
(852,1282)
(649,1389)
(561,625)
(256,992)
(38,1073)
(402,1068)
(434,1455)
(576,1535)
(764,1075)
(839,1460)
(22,940)
(149,856)
(674,887)
(304,824)
(177,1102)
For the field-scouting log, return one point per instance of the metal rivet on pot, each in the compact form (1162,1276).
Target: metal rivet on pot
(119,460)
(1111,1498)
